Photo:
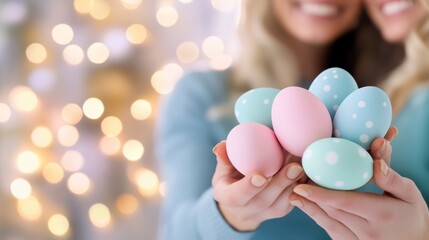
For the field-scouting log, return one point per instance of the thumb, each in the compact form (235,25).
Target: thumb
(221,155)
(391,182)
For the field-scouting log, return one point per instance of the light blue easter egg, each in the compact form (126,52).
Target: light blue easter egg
(363,116)
(337,163)
(255,106)
(332,86)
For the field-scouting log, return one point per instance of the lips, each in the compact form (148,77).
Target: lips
(318,9)
(395,7)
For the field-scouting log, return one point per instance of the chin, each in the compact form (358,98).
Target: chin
(394,37)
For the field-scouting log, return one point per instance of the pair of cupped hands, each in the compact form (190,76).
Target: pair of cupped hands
(400,212)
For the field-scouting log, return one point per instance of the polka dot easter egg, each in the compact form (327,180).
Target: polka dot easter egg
(363,115)
(338,164)
(253,148)
(255,106)
(332,86)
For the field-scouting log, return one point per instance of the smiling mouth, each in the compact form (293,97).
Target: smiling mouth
(395,7)
(319,9)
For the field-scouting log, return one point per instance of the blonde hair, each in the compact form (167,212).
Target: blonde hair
(414,70)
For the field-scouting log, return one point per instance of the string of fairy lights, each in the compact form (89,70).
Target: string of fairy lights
(37,158)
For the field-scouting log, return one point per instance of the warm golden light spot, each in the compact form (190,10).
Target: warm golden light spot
(83,6)
(187,52)
(111,126)
(100,10)
(110,145)
(131,4)
(36,53)
(224,5)
(78,183)
(41,136)
(167,16)
(20,188)
(23,98)
(99,215)
(173,69)
(132,150)
(93,108)
(29,208)
(141,109)
(73,54)
(53,173)
(98,53)
(127,204)
(68,135)
(71,113)
(58,225)
(28,162)
(5,112)
(62,34)
(72,161)
(213,46)
(147,182)
(162,82)
(221,62)
(136,34)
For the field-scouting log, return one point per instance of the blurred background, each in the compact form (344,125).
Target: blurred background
(80,82)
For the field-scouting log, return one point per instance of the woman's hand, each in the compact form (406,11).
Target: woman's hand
(247,201)
(399,213)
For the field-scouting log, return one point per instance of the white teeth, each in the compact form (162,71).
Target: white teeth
(395,7)
(319,9)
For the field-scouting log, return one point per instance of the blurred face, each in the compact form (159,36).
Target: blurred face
(318,22)
(395,18)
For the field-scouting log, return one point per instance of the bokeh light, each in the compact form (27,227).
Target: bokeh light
(132,150)
(110,145)
(36,53)
(147,182)
(83,6)
(78,183)
(187,52)
(58,224)
(127,204)
(93,108)
(136,34)
(111,126)
(73,54)
(20,188)
(29,208)
(28,162)
(5,112)
(163,82)
(100,9)
(141,109)
(23,98)
(224,5)
(98,53)
(213,46)
(68,135)
(221,62)
(167,16)
(62,34)
(72,161)
(42,137)
(53,173)
(72,113)
(99,215)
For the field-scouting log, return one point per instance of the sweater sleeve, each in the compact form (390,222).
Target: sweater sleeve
(184,143)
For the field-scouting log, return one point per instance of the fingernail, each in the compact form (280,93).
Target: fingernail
(293,172)
(258,180)
(384,167)
(215,148)
(297,202)
(382,148)
(301,191)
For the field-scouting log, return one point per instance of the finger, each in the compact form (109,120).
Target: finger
(333,227)
(393,183)
(351,221)
(391,133)
(288,175)
(281,206)
(224,167)
(381,149)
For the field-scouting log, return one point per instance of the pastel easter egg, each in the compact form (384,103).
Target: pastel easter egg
(332,86)
(299,118)
(255,106)
(363,116)
(337,163)
(253,148)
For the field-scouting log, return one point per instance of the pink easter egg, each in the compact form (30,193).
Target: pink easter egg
(299,118)
(253,148)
